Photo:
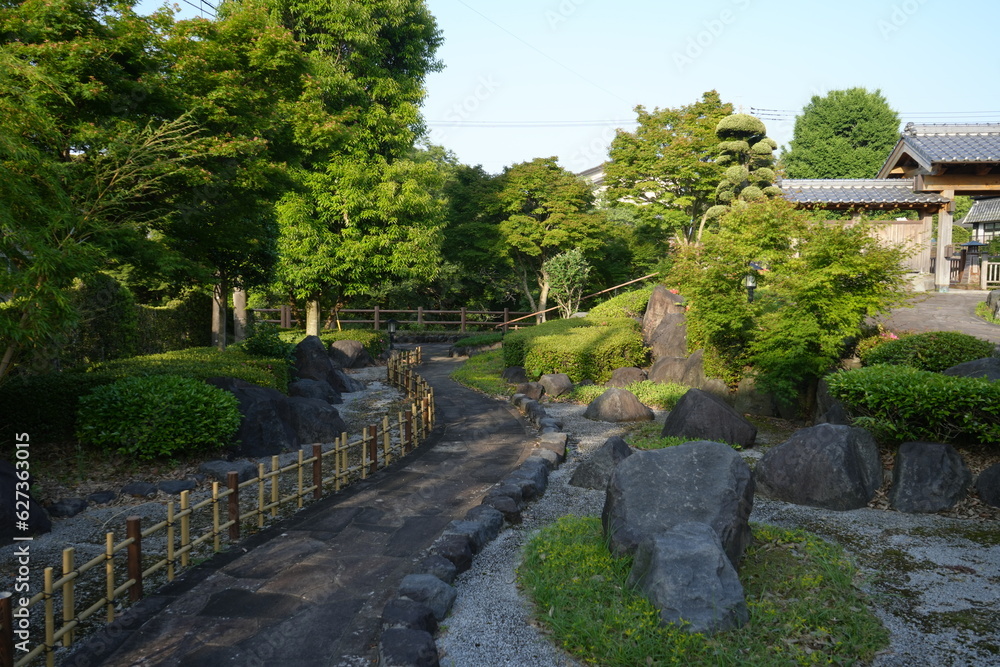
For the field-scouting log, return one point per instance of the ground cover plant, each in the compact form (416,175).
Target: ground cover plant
(804,606)
(479,339)
(482,373)
(656,395)
(931,351)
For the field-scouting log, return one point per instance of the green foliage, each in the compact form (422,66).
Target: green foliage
(665,170)
(869,340)
(182,323)
(517,343)
(804,607)
(107,324)
(158,416)
(590,352)
(901,403)
(375,342)
(482,373)
(264,340)
(567,273)
(200,363)
(656,395)
(744,146)
(931,351)
(844,134)
(626,304)
(479,340)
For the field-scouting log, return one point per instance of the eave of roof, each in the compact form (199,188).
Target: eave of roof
(870,192)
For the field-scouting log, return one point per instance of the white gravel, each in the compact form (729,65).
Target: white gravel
(933,580)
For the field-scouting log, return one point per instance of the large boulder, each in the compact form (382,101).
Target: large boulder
(320,389)
(928,477)
(685,573)
(315,420)
(556,384)
(689,371)
(988,485)
(831,466)
(699,414)
(312,361)
(515,375)
(265,429)
(532,390)
(623,377)
(653,491)
(344,383)
(662,302)
(618,405)
(595,471)
(988,368)
(669,339)
(348,354)
(748,399)
(11,513)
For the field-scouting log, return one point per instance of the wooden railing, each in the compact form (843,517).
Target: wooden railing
(328,468)
(462,319)
(990,275)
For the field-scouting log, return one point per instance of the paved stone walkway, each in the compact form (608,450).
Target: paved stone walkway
(310,592)
(944,311)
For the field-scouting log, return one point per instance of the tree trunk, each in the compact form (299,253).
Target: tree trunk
(239,314)
(527,292)
(312,316)
(543,295)
(219,302)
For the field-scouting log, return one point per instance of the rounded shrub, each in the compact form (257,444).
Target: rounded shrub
(932,351)
(264,340)
(626,304)
(157,416)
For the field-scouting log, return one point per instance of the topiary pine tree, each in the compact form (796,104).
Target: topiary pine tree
(747,154)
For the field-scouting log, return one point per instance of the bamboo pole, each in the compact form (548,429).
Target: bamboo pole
(317,471)
(233,504)
(274,486)
(373,449)
(50,618)
(69,603)
(216,522)
(133,531)
(185,528)
(260,495)
(109,571)
(171,556)
(301,474)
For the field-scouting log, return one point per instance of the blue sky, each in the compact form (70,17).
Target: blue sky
(536,78)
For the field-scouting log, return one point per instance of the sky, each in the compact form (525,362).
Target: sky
(539,78)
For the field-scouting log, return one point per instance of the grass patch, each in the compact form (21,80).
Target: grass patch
(482,373)
(804,608)
(655,395)
(479,339)
(983,311)
(646,435)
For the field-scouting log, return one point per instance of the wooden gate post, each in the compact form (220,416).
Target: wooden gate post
(133,530)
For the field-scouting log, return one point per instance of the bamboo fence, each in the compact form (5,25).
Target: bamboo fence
(327,469)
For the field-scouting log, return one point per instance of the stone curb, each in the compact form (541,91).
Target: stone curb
(409,621)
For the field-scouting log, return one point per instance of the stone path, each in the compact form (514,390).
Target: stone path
(944,311)
(310,591)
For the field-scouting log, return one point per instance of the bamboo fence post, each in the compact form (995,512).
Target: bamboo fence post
(408,433)
(216,522)
(233,503)
(376,318)
(171,556)
(109,571)
(364,453)
(300,472)
(373,449)
(6,628)
(133,530)
(185,527)
(400,419)
(69,604)
(461,327)
(318,471)
(260,495)
(420,314)
(50,617)
(274,486)
(386,440)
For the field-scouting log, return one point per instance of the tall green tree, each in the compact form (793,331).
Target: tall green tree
(666,169)
(844,134)
(747,154)
(548,210)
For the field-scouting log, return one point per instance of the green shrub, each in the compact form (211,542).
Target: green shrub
(588,352)
(182,323)
(656,395)
(900,403)
(108,326)
(201,363)
(375,342)
(933,351)
(480,339)
(627,304)
(264,340)
(158,416)
(517,343)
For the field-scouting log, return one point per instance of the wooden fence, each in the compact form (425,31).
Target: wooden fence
(463,319)
(327,468)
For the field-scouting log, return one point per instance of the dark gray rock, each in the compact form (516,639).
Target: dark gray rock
(219,470)
(988,484)
(402,647)
(669,339)
(491,520)
(429,590)
(685,573)
(618,405)
(409,614)
(699,414)
(534,411)
(346,353)
(652,491)
(319,389)
(662,302)
(988,368)
(928,477)
(551,458)
(440,567)
(314,420)
(515,375)
(623,377)
(554,442)
(312,361)
(10,483)
(510,508)
(595,471)
(477,532)
(518,400)
(264,429)
(689,371)
(831,466)
(176,485)
(139,490)
(455,548)
(556,384)
(67,507)
(748,400)
(549,425)
(837,414)
(346,384)
(102,497)
(532,390)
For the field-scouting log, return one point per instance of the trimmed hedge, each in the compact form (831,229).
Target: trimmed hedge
(933,351)
(517,343)
(479,339)
(201,363)
(590,350)
(181,324)
(900,403)
(158,416)
(375,342)
(627,304)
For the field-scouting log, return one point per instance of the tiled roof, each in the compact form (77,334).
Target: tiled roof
(859,191)
(954,143)
(984,210)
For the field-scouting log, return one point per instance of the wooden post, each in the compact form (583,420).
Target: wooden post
(6,629)
(386,440)
(372,449)
(216,544)
(420,314)
(942,270)
(376,318)
(69,604)
(185,527)
(318,471)
(408,431)
(462,327)
(239,314)
(506,318)
(286,317)
(133,530)
(233,503)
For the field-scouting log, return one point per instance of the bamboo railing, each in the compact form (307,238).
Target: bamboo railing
(328,468)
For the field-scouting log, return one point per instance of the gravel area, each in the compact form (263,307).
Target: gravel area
(932,580)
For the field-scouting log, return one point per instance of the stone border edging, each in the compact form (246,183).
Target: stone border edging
(410,620)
